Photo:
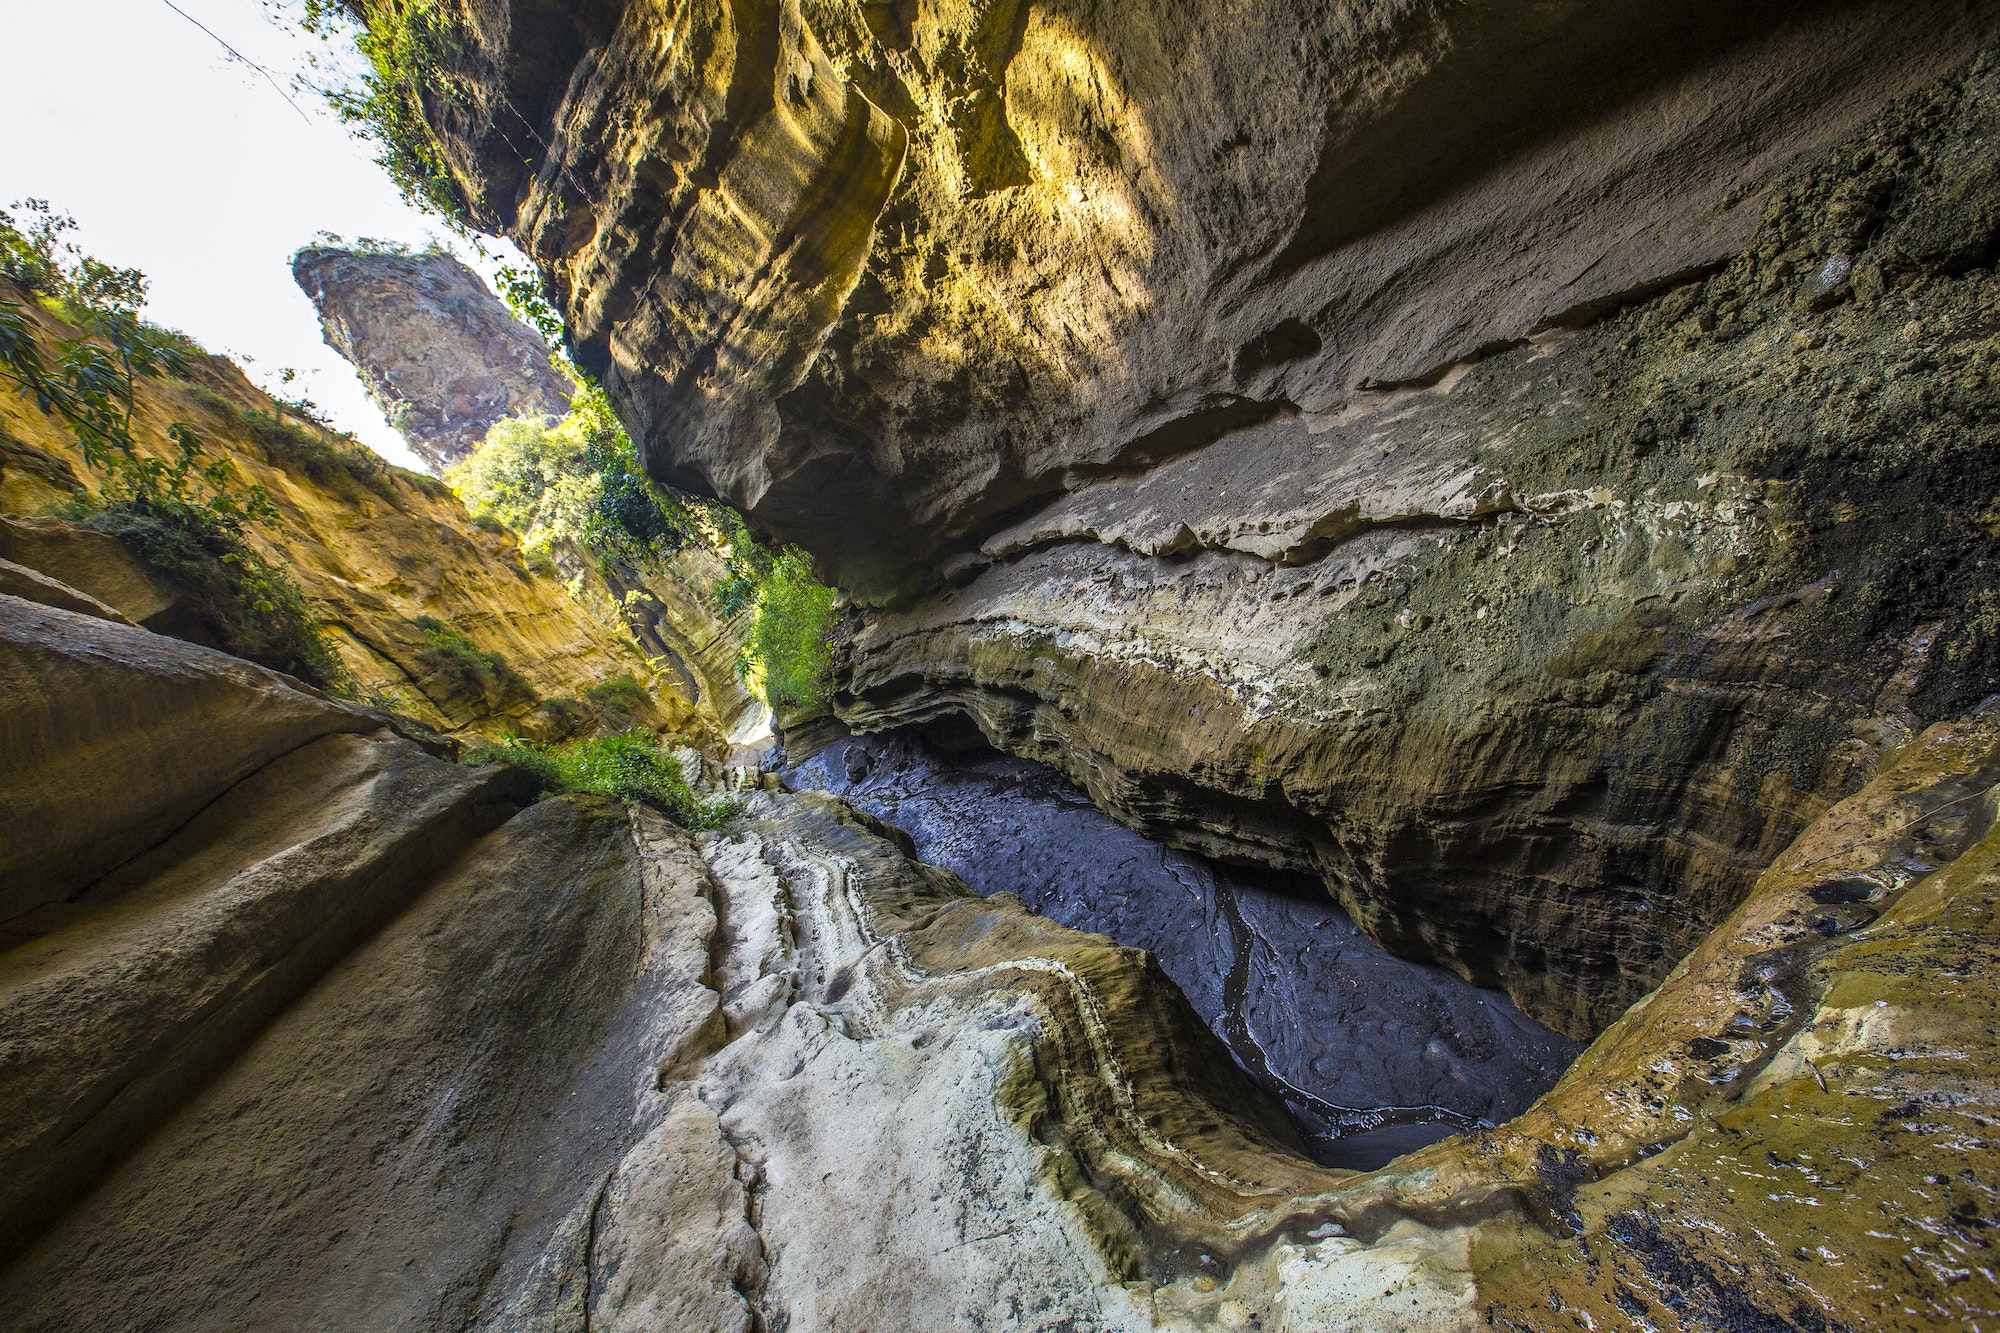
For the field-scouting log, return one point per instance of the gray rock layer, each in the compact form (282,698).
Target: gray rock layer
(436,348)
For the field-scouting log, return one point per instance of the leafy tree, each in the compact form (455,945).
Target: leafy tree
(91,386)
(522,291)
(35,255)
(408,46)
(789,659)
(577,483)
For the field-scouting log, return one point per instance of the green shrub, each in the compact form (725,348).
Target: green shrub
(576,483)
(790,654)
(630,766)
(230,597)
(184,512)
(458,659)
(310,448)
(35,254)
(620,694)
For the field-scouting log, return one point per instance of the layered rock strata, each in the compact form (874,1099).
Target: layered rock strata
(438,351)
(588,1072)
(886,276)
(1373,1056)
(1418,446)
(1537,665)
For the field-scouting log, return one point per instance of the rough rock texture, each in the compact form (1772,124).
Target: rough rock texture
(1371,1054)
(191,840)
(597,1075)
(885,274)
(372,547)
(1415,445)
(435,346)
(1537,665)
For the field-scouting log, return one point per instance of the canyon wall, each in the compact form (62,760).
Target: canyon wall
(1517,464)
(375,550)
(429,325)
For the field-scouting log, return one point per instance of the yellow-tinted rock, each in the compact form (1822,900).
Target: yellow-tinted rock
(34,586)
(112,736)
(373,548)
(90,562)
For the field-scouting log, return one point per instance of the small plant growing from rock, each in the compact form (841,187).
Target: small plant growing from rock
(454,656)
(628,766)
(620,694)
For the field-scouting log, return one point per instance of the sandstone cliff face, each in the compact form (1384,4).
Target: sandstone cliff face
(373,548)
(886,276)
(336,1038)
(427,346)
(1418,445)
(671,607)
(435,347)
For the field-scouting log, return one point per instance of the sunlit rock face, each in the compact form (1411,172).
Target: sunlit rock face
(436,348)
(384,313)
(372,548)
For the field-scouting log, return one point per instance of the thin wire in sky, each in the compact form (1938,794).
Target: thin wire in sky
(240,56)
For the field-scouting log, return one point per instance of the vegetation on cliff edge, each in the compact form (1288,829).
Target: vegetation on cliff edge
(181,511)
(628,766)
(575,484)
(406,47)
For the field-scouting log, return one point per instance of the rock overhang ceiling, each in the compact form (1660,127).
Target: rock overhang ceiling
(891,276)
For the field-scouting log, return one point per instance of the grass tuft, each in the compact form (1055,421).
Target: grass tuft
(628,766)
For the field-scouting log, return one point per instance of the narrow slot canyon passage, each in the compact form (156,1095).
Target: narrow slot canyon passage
(1372,1055)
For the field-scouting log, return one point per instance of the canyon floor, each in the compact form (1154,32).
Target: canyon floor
(325,1031)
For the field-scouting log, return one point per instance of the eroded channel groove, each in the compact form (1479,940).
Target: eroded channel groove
(1373,1055)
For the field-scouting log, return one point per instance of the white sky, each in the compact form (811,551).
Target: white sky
(179,161)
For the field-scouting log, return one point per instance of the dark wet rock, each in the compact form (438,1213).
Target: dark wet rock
(1374,1055)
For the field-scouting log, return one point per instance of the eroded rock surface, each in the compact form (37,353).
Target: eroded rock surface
(1537,665)
(435,346)
(888,275)
(1372,1055)
(1421,448)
